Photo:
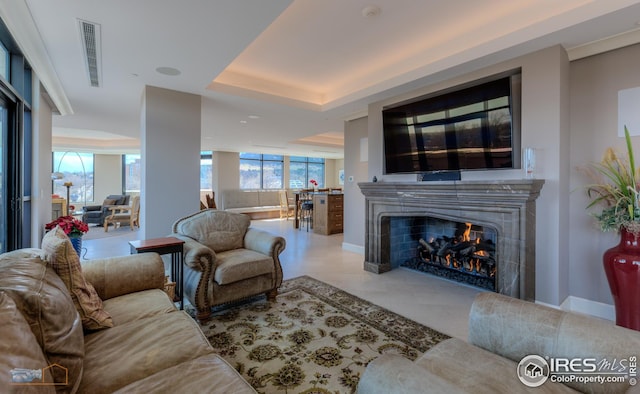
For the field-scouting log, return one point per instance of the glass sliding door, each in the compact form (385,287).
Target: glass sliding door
(15,145)
(4,193)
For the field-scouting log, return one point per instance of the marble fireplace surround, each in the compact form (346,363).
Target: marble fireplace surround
(507,206)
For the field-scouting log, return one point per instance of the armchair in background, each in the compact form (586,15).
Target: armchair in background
(97,213)
(119,214)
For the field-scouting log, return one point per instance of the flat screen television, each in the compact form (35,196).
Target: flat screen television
(465,128)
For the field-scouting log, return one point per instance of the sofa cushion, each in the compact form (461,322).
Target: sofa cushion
(240,198)
(241,264)
(126,353)
(462,364)
(21,357)
(139,305)
(193,376)
(46,305)
(115,276)
(392,373)
(218,230)
(120,199)
(65,262)
(496,323)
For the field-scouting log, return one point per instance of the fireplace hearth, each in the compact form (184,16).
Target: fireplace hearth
(496,253)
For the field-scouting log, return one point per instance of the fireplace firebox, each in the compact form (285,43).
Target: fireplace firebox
(478,232)
(459,251)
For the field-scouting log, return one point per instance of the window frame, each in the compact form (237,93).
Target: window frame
(309,162)
(260,160)
(125,173)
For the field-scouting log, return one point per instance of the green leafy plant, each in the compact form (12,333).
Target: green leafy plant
(616,190)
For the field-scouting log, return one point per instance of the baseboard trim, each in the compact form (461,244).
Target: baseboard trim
(589,307)
(353,248)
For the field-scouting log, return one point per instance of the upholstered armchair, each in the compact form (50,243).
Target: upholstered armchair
(96,213)
(226,260)
(119,214)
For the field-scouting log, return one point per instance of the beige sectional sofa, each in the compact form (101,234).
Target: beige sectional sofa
(258,204)
(152,346)
(502,332)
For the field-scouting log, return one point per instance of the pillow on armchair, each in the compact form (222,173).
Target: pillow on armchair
(109,201)
(218,232)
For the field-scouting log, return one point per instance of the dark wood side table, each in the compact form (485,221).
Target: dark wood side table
(166,245)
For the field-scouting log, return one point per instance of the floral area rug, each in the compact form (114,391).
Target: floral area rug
(314,338)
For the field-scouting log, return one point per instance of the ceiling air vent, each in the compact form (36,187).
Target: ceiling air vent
(91,45)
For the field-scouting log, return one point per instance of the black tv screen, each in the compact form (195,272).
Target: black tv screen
(466,129)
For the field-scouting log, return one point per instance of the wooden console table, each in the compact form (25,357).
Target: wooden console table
(166,245)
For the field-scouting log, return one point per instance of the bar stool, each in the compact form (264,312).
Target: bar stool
(306,209)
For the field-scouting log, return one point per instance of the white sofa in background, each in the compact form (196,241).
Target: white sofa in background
(258,204)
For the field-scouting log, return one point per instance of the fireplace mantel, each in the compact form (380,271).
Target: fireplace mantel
(506,205)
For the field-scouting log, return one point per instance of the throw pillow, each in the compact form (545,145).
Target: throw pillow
(65,262)
(109,201)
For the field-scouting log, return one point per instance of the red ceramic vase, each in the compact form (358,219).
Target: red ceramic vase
(622,266)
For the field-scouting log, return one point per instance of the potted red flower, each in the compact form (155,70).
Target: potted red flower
(71,226)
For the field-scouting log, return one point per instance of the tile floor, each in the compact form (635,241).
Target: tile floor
(435,302)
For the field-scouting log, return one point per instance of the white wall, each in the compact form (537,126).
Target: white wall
(170,142)
(595,82)
(355,170)
(107,176)
(331,167)
(41,188)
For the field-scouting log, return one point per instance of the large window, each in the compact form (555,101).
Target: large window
(132,167)
(132,173)
(4,62)
(76,169)
(258,171)
(304,169)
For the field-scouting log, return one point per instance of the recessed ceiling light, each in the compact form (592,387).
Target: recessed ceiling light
(168,71)
(243,121)
(371,11)
(253,117)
